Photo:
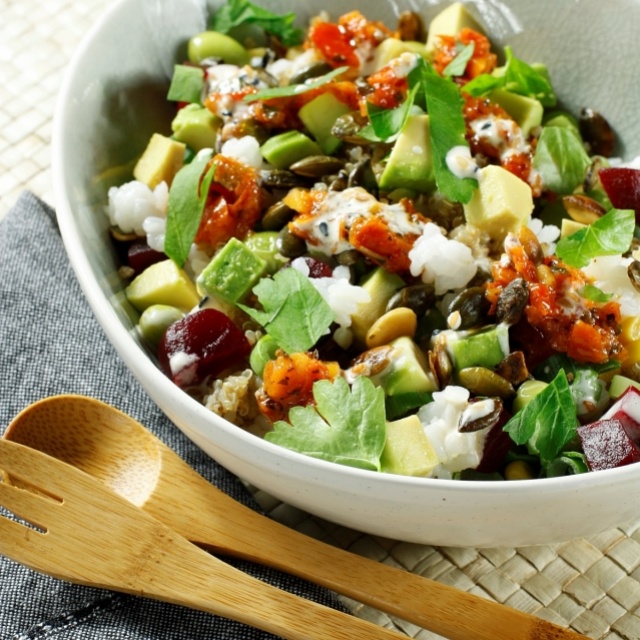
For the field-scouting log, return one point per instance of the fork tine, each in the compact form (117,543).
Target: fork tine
(34,508)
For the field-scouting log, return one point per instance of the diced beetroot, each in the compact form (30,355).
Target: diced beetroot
(201,344)
(607,445)
(140,256)
(622,185)
(496,445)
(626,409)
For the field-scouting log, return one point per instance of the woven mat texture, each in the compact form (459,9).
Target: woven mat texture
(592,585)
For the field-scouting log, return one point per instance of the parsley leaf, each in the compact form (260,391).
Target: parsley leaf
(458,65)
(294,89)
(187,197)
(447,126)
(240,12)
(186,84)
(609,235)
(548,422)
(560,159)
(295,315)
(346,426)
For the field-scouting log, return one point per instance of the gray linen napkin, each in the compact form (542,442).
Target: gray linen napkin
(50,343)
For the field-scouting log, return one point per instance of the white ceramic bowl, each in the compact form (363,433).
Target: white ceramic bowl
(113,99)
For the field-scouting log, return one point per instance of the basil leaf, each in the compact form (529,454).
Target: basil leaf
(186,84)
(294,314)
(240,12)
(294,89)
(187,197)
(458,65)
(610,235)
(347,425)
(548,422)
(594,294)
(447,126)
(560,159)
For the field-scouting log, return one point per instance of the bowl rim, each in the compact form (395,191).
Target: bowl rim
(144,369)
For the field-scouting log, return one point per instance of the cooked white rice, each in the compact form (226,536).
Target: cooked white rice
(610,275)
(133,202)
(245,149)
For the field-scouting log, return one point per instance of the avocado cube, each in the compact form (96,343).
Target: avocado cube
(163,283)
(569,227)
(449,22)
(286,148)
(501,204)
(407,449)
(393,48)
(160,161)
(196,126)
(484,348)
(232,272)
(409,370)
(527,112)
(410,164)
(319,116)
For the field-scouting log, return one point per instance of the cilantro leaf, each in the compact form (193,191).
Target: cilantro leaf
(347,426)
(548,422)
(295,315)
(560,159)
(240,12)
(294,89)
(187,197)
(609,235)
(458,65)
(447,127)
(186,84)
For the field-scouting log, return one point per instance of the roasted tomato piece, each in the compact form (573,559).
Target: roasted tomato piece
(482,60)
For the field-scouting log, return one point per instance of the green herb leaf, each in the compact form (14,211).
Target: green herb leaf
(295,315)
(387,123)
(186,84)
(548,369)
(560,159)
(240,12)
(568,464)
(458,65)
(594,294)
(187,198)
(447,126)
(346,426)
(607,236)
(516,76)
(548,422)
(294,89)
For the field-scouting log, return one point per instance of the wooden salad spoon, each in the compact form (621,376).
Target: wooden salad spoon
(124,455)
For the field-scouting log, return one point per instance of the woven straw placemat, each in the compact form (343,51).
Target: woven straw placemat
(592,585)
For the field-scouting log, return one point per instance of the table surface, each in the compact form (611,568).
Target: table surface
(592,585)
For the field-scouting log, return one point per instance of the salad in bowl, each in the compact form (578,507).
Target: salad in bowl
(389,246)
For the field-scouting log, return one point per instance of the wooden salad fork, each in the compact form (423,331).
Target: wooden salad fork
(123,455)
(84,533)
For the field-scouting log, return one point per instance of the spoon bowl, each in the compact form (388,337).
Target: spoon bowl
(116,449)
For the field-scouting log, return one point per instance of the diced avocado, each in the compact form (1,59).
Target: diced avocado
(410,164)
(407,449)
(286,148)
(156,319)
(483,348)
(393,48)
(449,22)
(160,161)
(196,126)
(400,405)
(527,112)
(619,384)
(570,226)
(319,116)
(381,285)
(263,351)
(232,272)
(213,44)
(502,203)
(163,283)
(409,370)
(561,119)
(264,244)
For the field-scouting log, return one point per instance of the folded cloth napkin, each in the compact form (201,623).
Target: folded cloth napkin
(50,343)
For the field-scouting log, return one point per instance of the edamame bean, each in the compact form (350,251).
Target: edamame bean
(212,44)
(527,391)
(155,320)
